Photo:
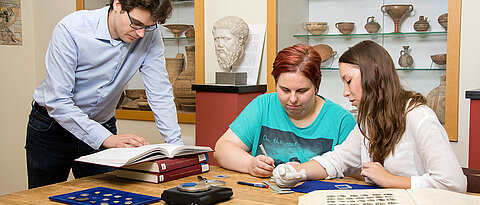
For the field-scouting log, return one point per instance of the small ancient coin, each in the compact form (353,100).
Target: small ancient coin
(81,199)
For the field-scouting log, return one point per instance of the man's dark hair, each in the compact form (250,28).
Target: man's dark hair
(160,10)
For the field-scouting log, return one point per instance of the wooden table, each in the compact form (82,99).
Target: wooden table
(242,194)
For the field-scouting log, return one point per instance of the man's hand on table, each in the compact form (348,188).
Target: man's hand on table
(124,141)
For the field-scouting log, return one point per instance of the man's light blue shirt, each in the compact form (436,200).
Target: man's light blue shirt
(87,71)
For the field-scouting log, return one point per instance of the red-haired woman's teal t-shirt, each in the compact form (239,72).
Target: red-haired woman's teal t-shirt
(264,121)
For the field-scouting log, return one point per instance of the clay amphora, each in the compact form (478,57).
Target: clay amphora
(436,99)
(405,59)
(422,24)
(372,26)
(183,84)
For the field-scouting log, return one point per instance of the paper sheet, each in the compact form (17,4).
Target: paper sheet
(251,58)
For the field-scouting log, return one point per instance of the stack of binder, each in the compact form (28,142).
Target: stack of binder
(166,169)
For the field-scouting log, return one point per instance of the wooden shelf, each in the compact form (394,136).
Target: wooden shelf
(183,117)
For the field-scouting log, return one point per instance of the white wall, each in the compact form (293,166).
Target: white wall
(469,73)
(22,70)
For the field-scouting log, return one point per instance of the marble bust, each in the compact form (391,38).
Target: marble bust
(230,35)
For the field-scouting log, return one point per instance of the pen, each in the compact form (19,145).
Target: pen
(253,184)
(263,150)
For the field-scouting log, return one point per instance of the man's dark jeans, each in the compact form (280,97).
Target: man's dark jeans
(51,150)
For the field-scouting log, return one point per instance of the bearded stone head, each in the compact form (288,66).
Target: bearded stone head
(230,35)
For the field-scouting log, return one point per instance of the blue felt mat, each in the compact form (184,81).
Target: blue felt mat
(102,194)
(309,186)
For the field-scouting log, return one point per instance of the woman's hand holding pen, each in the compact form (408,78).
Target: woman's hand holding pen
(261,166)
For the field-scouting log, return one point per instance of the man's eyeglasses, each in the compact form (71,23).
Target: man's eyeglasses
(137,26)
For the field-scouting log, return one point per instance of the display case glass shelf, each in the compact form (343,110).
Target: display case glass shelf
(179,38)
(182,1)
(404,69)
(434,33)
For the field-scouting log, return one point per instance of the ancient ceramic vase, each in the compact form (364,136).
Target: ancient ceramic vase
(183,84)
(405,59)
(422,24)
(436,99)
(372,26)
(174,68)
(443,20)
(396,12)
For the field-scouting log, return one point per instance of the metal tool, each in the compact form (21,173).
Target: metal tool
(213,182)
(277,189)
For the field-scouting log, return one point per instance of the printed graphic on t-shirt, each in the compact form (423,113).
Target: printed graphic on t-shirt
(285,146)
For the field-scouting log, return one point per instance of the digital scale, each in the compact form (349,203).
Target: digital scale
(199,193)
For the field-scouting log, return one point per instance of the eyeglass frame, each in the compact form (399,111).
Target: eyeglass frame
(139,27)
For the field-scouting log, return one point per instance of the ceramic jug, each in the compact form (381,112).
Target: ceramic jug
(405,59)
(372,26)
(422,24)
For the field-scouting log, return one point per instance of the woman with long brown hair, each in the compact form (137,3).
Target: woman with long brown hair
(398,141)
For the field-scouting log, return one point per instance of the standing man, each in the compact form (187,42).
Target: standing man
(91,57)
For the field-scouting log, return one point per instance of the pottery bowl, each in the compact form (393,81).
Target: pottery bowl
(443,20)
(315,28)
(177,29)
(324,50)
(439,59)
(135,94)
(143,105)
(345,27)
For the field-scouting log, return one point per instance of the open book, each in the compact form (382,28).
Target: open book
(118,157)
(425,196)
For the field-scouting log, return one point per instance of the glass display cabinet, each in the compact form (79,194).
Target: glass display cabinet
(412,47)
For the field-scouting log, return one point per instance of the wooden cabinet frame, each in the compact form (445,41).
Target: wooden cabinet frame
(453,60)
